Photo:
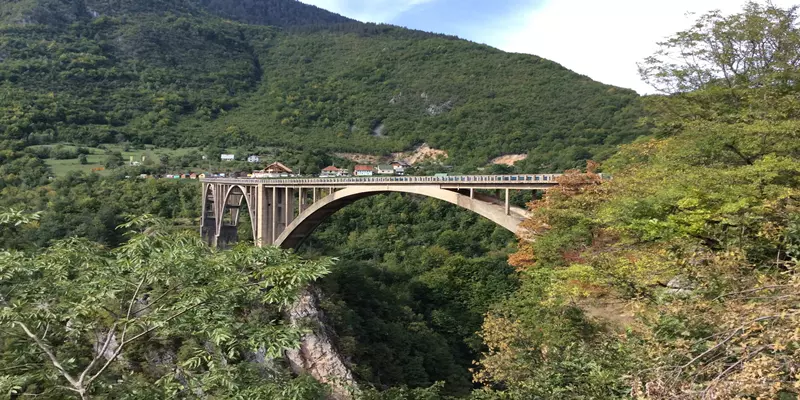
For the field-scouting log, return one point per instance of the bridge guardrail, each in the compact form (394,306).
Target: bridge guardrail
(505,179)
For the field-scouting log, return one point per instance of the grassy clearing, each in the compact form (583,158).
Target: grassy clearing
(63,167)
(97,157)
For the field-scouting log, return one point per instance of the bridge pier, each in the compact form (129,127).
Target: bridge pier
(283,212)
(508,204)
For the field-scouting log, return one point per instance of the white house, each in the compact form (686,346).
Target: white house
(228,157)
(254,159)
(400,167)
(363,170)
(333,172)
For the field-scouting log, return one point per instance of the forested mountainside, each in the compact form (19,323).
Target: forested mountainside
(175,73)
(259,12)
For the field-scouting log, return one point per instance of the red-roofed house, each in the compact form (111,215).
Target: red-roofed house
(363,170)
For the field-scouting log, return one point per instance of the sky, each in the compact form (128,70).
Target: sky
(601,39)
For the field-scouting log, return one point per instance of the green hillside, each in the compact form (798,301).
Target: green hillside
(180,74)
(260,12)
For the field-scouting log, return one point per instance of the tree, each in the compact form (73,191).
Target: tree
(759,47)
(687,260)
(77,314)
(114,160)
(82,159)
(733,89)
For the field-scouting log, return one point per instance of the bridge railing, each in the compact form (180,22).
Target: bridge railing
(468,179)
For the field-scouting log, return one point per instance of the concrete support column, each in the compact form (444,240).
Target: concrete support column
(301,201)
(274,215)
(508,204)
(314,196)
(472,193)
(288,209)
(261,214)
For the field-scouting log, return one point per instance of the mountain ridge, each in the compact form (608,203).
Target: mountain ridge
(280,13)
(178,75)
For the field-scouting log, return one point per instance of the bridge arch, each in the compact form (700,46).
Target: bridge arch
(221,212)
(232,201)
(308,220)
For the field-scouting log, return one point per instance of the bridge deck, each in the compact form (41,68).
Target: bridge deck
(284,211)
(445,182)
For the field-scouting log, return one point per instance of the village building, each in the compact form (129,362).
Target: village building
(400,167)
(274,170)
(385,169)
(363,170)
(333,172)
(228,157)
(255,159)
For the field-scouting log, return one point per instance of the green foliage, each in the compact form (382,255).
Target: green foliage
(684,264)
(430,393)
(91,207)
(17,217)
(159,316)
(274,12)
(760,46)
(18,169)
(406,311)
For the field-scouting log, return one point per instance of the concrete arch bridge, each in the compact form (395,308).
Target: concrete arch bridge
(284,212)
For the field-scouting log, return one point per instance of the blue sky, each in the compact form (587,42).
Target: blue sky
(603,39)
(475,20)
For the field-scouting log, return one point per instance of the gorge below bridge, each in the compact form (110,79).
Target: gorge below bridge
(284,212)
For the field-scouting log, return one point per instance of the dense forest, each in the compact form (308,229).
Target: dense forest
(676,279)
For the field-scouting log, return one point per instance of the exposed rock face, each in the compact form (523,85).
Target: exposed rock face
(425,153)
(421,154)
(317,355)
(113,345)
(509,160)
(438,109)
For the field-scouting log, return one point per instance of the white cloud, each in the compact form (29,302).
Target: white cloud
(367,10)
(605,39)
